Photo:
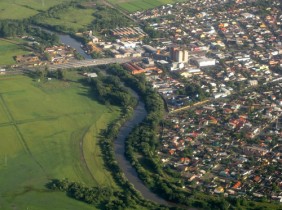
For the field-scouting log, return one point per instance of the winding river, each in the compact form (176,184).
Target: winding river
(119,149)
(119,144)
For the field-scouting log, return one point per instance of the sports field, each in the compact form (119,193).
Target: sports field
(139,5)
(49,131)
(19,9)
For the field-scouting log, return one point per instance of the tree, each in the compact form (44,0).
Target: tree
(61,74)
(47,56)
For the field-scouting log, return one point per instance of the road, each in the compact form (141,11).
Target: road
(88,63)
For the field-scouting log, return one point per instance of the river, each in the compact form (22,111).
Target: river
(68,40)
(119,149)
(119,144)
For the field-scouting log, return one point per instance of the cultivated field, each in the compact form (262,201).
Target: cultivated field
(49,131)
(19,9)
(139,5)
(9,49)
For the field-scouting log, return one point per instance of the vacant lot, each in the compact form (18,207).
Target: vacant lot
(9,49)
(19,9)
(49,131)
(139,5)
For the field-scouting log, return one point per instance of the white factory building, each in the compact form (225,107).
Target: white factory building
(203,61)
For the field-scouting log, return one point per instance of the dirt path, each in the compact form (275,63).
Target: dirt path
(18,132)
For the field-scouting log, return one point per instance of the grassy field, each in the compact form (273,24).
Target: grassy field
(48,131)
(19,9)
(73,17)
(139,5)
(9,49)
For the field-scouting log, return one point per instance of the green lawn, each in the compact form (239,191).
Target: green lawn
(8,50)
(74,18)
(139,5)
(19,9)
(53,133)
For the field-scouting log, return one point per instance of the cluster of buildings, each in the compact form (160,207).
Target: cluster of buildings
(50,55)
(231,147)
(128,33)
(218,44)
(230,143)
(116,49)
(53,55)
(146,66)
(29,60)
(59,54)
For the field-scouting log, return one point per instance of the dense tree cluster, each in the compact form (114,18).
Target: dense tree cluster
(91,195)
(108,89)
(9,28)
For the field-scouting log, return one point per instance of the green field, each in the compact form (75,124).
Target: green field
(139,5)
(19,9)
(9,49)
(49,131)
(74,18)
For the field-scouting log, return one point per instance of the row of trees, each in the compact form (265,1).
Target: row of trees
(91,195)
(44,74)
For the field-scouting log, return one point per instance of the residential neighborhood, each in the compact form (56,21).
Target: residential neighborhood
(221,83)
(230,146)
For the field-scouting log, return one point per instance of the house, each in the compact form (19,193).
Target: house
(91,75)
(237,185)
(219,190)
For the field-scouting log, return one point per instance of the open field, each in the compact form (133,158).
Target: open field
(49,131)
(138,5)
(8,50)
(19,9)
(72,17)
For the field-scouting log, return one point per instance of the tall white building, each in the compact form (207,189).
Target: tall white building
(181,56)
